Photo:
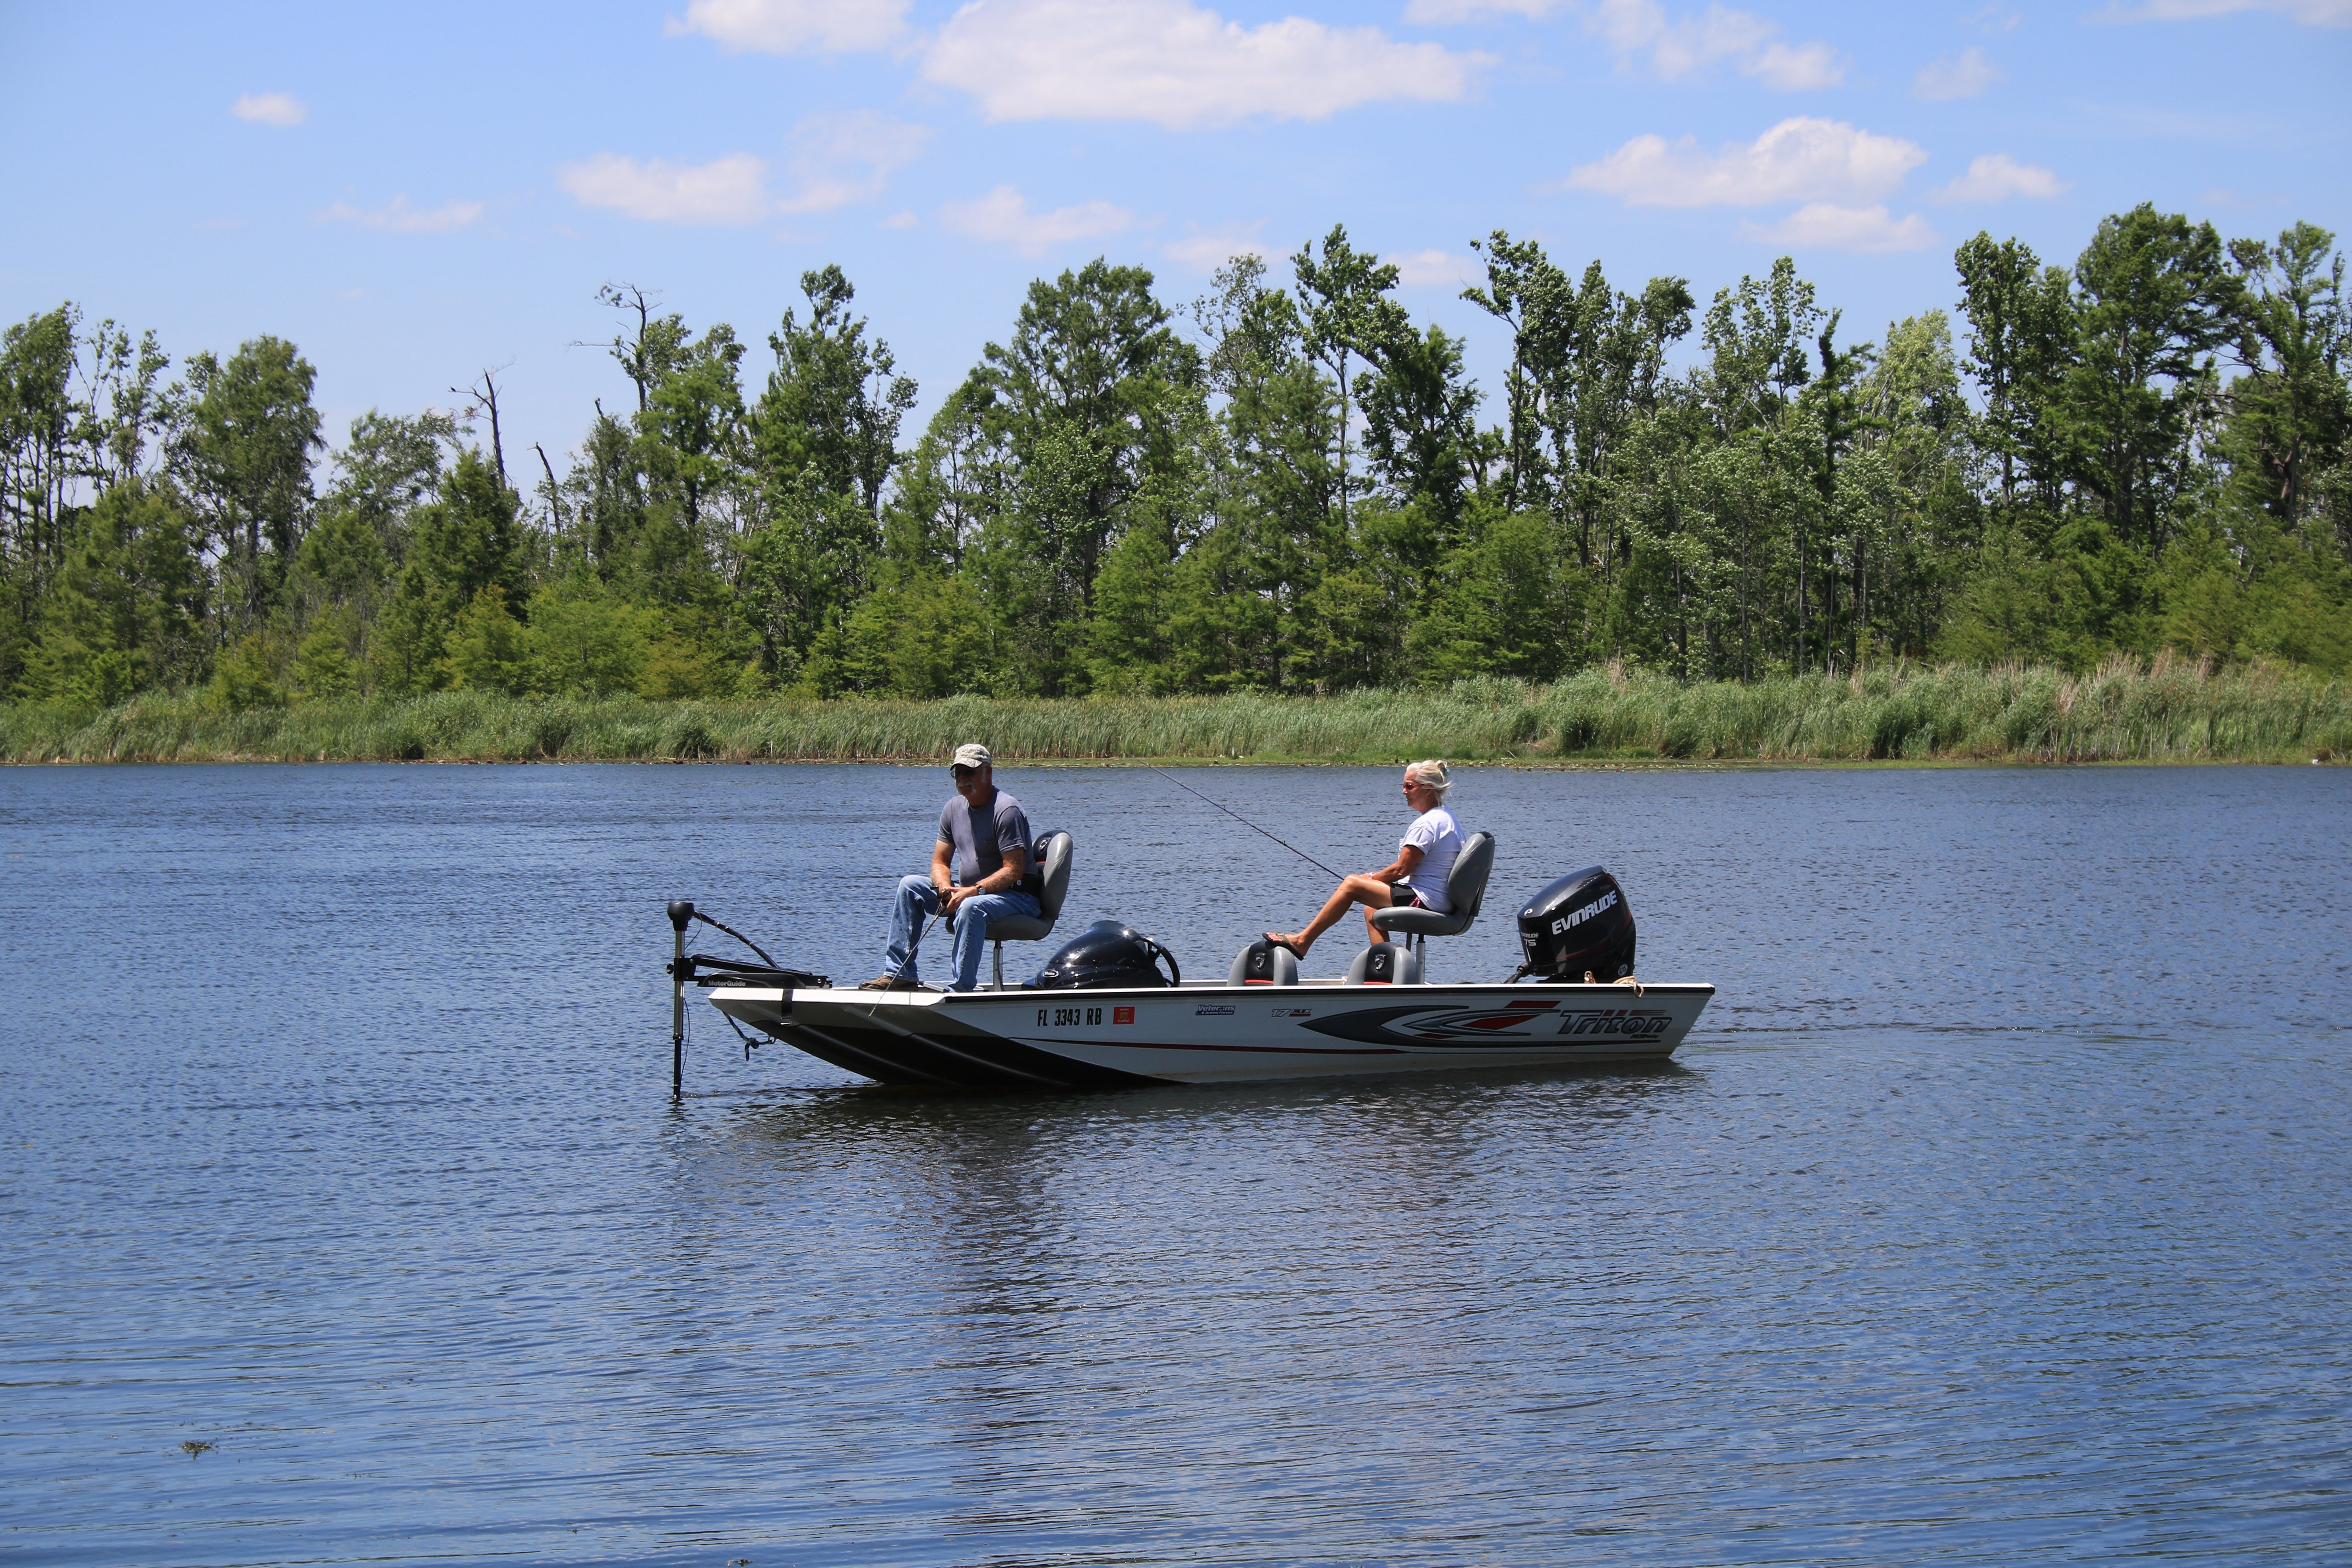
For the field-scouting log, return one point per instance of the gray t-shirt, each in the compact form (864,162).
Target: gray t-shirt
(983,835)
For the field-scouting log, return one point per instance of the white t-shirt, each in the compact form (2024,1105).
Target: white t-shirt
(1439,838)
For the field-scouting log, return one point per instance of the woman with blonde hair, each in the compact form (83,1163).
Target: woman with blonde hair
(1416,879)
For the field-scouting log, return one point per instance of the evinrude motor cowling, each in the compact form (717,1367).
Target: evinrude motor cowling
(1579,925)
(1106,956)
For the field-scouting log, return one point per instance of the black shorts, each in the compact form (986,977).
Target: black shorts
(1403,897)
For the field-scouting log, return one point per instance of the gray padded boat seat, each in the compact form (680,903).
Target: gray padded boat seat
(1054,857)
(1408,966)
(1465,887)
(1286,968)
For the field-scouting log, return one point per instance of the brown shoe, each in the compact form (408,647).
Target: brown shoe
(883,982)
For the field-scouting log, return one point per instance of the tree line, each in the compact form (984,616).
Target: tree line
(1285,487)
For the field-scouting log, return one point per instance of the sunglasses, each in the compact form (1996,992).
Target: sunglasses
(961,772)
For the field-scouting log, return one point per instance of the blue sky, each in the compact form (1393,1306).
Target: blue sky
(412,194)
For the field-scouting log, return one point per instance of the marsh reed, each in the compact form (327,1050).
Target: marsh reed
(2127,709)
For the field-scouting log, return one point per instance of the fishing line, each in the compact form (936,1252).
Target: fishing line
(1245,822)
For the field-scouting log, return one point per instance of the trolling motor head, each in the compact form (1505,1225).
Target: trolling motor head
(681,910)
(1107,954)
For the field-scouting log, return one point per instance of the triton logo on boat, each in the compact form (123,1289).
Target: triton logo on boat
(1294,1012)
(1529,1023)
(1567,922)
(1212,1012)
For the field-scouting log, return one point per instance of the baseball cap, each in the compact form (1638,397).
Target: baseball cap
(972,754)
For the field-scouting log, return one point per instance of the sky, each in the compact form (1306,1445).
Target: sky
(416,194)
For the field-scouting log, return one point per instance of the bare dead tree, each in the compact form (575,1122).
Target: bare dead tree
(485,394)
(631,352)
(555,492)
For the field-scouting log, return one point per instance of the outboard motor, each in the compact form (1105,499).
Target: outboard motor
(1578,924)
(1106,956)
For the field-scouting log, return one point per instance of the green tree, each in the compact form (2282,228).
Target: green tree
(468,541)
(2021,345)
(244,454)
(585,639)
(2155,299)
(1348,316)
(37,420)
(2289,412)
(486,647)
(126,609)
(1420,427)
(828,422)
(1092,402)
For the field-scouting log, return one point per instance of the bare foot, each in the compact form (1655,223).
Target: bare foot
(1296,942)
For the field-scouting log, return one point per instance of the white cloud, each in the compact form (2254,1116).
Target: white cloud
(398,217)
(2312,13)
(1994,18)
(1678,47)
(790,26)
(1439,12)
(1798,160)
(1003,217)
(1996,177)
(1207,252)
(278,108)
(1820,225)
(1176,65)
(1435,269)
(1941,81)
(844,158)
(1795,68)
(1681,47)
(730,190)
(900,220)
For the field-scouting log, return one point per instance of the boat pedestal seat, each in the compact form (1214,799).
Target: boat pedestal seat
(1466,889)
(1405,962)
(1053,860)
(1283,963)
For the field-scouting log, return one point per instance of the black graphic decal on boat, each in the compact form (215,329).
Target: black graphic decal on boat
(1516,1022)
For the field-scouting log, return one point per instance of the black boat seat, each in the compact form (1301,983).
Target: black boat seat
(1053,860)
(1466,889)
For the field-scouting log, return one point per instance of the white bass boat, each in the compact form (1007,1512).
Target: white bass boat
(1101,1014)
(1204,1032)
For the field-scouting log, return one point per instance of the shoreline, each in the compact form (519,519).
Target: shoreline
(1581,765)
(2127,710)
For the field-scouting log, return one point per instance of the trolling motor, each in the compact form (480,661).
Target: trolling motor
(1107,956)
(1577,929)
(684,966)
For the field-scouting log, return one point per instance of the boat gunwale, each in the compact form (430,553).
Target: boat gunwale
(852,997)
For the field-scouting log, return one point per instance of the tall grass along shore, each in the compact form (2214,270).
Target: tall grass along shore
(2127,711)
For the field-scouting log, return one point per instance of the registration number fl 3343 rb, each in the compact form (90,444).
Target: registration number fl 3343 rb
(1065,1017)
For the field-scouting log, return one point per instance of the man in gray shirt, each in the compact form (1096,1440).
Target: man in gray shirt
(978,867)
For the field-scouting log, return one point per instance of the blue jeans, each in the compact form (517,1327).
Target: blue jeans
(919,901)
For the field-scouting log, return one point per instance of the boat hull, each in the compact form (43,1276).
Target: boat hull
(1215,1033)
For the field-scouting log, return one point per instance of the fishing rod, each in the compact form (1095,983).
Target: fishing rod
(1245,822)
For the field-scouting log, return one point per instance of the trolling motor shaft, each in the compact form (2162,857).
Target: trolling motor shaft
(681,912)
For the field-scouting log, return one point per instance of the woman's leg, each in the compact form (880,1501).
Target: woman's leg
(1369,891)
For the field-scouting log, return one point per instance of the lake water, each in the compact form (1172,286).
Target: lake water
(1996,1212)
